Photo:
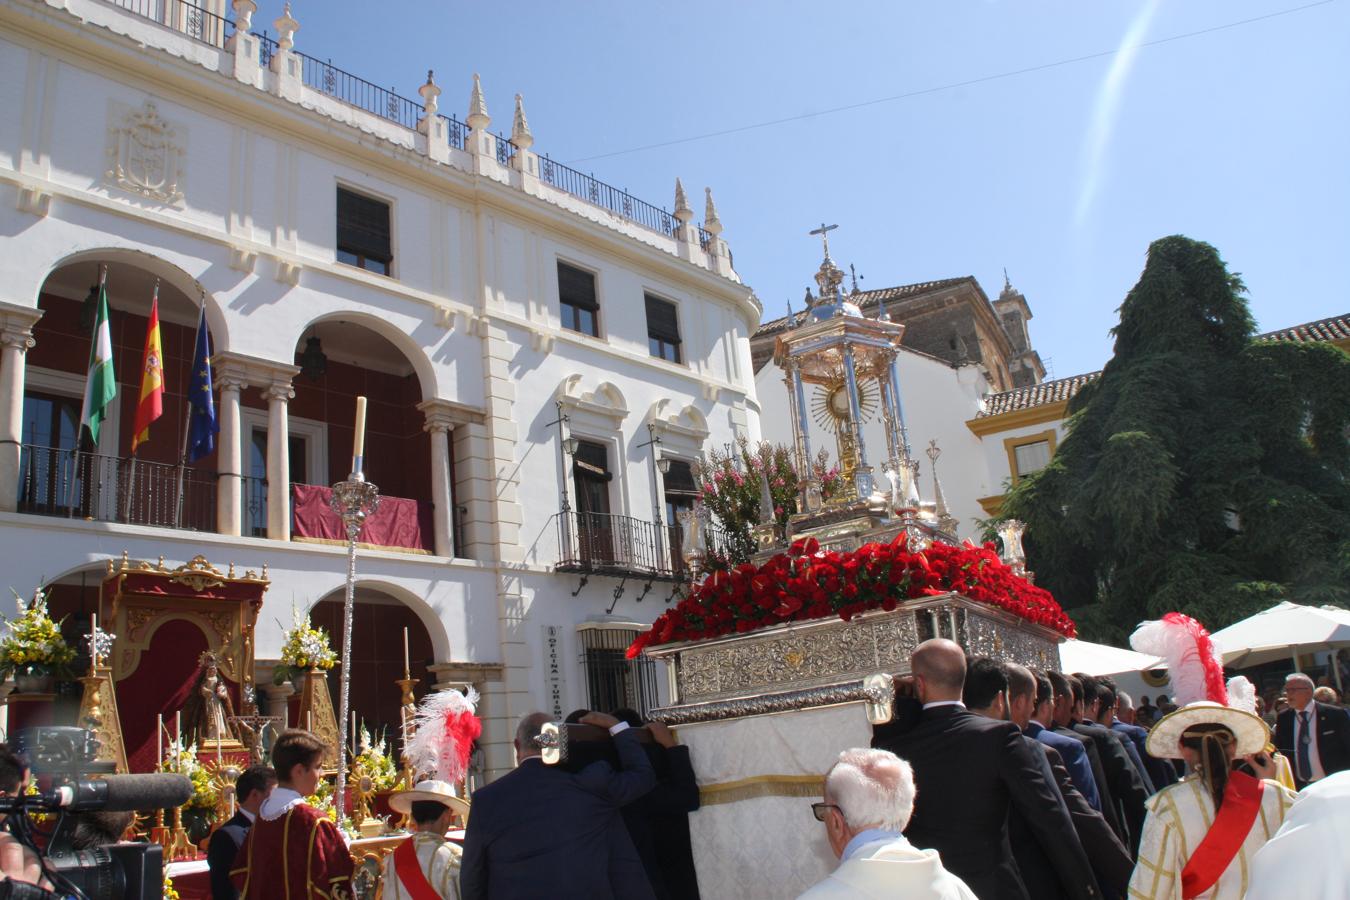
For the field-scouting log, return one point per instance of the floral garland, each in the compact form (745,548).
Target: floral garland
(33,642)
(305,648)
(808,583)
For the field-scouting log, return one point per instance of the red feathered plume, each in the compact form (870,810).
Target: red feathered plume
(1194,665)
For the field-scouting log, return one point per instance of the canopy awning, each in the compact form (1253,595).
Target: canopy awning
(1103,659)
(1281,631)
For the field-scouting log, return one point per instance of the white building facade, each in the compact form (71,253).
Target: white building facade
(478,292)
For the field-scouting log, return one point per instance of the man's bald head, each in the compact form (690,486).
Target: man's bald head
(526,733)
(941,664)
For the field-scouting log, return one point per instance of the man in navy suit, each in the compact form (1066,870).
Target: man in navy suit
(1071,750)
(1315,737)
(250,791)
(543,832)
(969,770)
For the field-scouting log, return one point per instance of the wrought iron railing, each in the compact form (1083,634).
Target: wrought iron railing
(704,239)
(593,190)
(606,543)
(457,132)
(182,16)
(612,680)
(506,151)
(253,494)
(57,482)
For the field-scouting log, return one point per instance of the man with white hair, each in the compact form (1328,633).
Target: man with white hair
(1314,736)
(869,796)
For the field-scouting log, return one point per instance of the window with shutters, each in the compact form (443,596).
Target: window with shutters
(663,329)
(363,232)
(579,308)
(1029,453)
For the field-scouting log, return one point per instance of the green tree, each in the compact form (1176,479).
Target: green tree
(1204,471)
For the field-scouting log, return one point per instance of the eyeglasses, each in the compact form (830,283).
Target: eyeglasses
(818,810)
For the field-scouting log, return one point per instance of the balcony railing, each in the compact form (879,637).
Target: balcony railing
(595,191)
(56,482)
(606,544)
(253,494)
(184,17)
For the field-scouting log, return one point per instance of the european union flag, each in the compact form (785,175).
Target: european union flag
(202,423)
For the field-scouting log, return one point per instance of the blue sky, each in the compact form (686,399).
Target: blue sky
(1239,136)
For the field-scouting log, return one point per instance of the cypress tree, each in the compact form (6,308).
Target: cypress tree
(1203,471)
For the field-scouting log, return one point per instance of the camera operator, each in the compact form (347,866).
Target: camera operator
(16,860)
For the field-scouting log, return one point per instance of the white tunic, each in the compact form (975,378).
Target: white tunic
(1179,817)
(439,860)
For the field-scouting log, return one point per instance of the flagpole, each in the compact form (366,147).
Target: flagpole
(79,433)
(187,420)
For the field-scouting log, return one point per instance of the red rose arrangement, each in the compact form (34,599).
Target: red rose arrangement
(806,583)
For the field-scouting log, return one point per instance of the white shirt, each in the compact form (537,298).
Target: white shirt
(1314,758)
(248,815)
(936,703)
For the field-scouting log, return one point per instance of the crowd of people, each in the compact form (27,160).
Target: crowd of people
(992,781)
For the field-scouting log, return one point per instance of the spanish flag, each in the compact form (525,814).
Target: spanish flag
(151,405)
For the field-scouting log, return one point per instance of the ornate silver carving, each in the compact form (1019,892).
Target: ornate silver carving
(762,704)
(145,157)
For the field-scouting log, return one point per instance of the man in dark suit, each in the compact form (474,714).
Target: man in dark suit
(969,771)
(1315,737)
(250,790)
(1062,718)
(1099,703)
(1126,788)
(1118,717)
(1111,862)
(1070,749)
(659,821)
(542,832)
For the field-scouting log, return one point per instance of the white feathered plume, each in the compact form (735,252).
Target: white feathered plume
(1242,694)
(443,731)
(1193,662)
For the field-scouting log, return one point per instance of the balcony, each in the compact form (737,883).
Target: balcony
(619,546)
(56,482)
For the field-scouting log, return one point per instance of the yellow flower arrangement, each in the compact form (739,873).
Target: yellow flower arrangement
(378,764)
(185,762)
(305,648)
(33,641)
(169,892)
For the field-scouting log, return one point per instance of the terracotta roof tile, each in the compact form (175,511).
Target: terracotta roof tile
(1336,328)
(1035,395)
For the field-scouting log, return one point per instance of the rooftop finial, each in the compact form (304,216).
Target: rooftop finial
(854,274)
(478,117)
(430,94)
(683,212)
(824,232)
(711,223)
(830,278)
(1007,284)
(286,27)
(520,128)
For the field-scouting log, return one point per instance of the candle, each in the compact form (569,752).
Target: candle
(178,736)
(217,754)
(406,669)
(353,740)
(359,441)
(159,740)
(309,721)
(93,642)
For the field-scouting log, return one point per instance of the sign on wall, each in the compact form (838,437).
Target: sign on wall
(555,679)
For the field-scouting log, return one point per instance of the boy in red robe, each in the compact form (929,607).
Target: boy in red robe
(293,851)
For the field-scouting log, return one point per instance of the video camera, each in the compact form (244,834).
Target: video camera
(113,871)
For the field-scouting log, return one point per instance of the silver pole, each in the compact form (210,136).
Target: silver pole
(354,500)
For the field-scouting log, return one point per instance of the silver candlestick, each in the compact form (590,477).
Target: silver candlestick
(354,500)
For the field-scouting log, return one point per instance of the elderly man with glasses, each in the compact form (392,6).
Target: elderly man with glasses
(1314,736)
(869,796)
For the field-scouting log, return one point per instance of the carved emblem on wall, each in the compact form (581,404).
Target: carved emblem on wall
(144,155)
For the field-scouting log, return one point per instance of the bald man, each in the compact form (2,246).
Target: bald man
(1314,736)
(968,771)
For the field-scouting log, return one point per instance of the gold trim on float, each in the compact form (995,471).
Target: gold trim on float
(762,786)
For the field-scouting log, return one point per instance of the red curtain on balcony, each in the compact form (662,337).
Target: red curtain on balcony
(399,523)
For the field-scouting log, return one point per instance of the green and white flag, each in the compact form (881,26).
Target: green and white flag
(101,386)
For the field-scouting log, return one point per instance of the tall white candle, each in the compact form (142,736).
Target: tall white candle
(359,440)
(159,740)
(406,668)
(178,736)
(93,641)
(353,741)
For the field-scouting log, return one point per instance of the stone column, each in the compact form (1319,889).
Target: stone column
(16,336)
(439,424)
(229,457)
(278,394)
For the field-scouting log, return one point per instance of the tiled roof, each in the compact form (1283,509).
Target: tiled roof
(1334,329)
(865,300)
(1035,395)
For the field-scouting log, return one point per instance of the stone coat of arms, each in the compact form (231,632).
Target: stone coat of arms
(144,155)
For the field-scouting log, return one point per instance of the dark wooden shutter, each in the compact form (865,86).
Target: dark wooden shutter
(662,321)
(363,226)
(576,287)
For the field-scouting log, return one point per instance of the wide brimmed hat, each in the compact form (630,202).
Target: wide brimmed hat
(1164,740)
(441,792)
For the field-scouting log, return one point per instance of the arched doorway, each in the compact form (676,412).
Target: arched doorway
(58,473)
(379,621)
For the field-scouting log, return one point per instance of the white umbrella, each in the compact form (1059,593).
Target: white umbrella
(1282,632)
(1103,659)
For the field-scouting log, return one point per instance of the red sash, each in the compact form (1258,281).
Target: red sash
(409,871)
(1241,803)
